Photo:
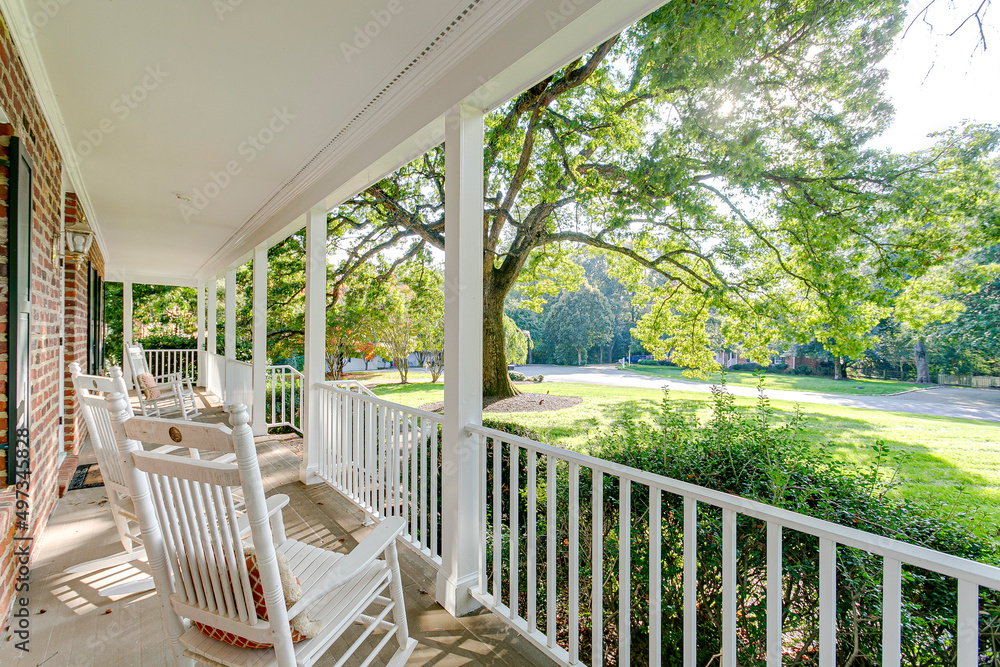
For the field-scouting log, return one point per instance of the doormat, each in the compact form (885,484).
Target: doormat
(86,477)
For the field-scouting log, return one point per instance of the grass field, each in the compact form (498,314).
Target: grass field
(788,382)
(952,465)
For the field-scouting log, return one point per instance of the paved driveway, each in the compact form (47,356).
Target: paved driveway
(940,401)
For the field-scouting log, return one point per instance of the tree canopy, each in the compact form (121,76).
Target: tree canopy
(721,145)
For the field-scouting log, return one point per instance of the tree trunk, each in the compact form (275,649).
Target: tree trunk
(838,373)
(579,357)
(403,368)
(920,361)
(496,380)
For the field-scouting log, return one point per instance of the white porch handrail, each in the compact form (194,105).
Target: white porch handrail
(495,585)
(284,385)
(384,457)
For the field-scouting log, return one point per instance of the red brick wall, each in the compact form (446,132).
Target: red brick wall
(21,106)
(76,334)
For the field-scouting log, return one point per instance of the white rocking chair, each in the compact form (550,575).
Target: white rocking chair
(190,530)
(176,393)
(92,391)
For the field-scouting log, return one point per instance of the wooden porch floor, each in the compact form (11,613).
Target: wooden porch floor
(72,625)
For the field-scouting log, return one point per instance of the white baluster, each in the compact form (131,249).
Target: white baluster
(728,588)
(624,572)
(597,570)
(774,593)
(655,577)
(514,532)
(574,563)
(827,603)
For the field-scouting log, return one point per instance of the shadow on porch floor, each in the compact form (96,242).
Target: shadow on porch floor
(72,625)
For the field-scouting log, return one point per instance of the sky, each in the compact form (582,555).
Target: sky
(937,80)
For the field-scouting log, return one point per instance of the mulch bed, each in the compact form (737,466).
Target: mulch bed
(520,403)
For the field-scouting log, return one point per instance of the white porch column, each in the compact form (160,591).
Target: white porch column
(230,331)
(213,314)
(259,339)
(461,494)
(200,341)
(315,345)
(126,328)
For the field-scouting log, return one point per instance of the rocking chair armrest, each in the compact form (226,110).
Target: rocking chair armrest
(351,565)
(275,504)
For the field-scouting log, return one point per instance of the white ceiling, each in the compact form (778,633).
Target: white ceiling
(329,116)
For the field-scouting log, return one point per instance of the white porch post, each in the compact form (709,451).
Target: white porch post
(315,345)
(230,331)
(200,342)
(259,339)
(213,315)
(126,328)
(463,349)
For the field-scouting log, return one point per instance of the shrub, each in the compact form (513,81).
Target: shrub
(655,362)
(537,378)
(746,367)
(802,370)
(777,368)
(516,376)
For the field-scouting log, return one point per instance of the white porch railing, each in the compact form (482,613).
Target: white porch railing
(543,581)
(166,362)
(284,394)
(549,471)
(385,458)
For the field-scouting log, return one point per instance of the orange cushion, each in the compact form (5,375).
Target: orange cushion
(302,628)
(149,388)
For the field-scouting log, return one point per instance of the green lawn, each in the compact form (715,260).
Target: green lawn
(952,464)
(788,382)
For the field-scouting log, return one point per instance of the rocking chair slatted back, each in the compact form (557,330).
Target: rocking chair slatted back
(192,500)
(91,390)
(201,533)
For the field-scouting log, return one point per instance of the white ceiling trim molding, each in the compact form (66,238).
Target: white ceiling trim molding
(470,23)
(21,30)
(582,25)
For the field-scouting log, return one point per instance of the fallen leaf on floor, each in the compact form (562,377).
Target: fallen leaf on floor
(108,611)
(422,591)
(42,611)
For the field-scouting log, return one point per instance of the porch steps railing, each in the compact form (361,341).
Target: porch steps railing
(284,395)
(385,458)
